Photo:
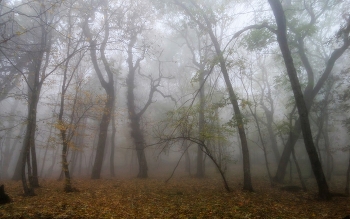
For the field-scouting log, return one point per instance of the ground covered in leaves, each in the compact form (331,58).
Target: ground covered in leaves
(180,198)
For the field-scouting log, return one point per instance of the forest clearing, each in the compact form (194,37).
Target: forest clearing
(181,197)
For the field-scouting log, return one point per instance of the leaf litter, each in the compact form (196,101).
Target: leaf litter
(180,198)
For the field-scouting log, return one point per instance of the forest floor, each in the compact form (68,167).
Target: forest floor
(179,198)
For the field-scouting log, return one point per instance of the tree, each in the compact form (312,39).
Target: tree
(40,41)
(135,117)
(269,110)
(299,99)
(114,131)
(108,85)
(312,88)
(135,32)
(207,26)
(63,125)
(201,54)
(256,119)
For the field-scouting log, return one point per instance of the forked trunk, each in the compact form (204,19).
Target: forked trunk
(299,99)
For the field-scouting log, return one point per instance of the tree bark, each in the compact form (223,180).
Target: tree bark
(299,99)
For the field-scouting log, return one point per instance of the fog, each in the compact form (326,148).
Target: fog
(159,89)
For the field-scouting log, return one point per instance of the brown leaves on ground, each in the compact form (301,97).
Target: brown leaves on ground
(152,198)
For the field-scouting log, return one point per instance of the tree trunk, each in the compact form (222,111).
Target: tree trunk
(102,137)
(65,168)
(299,99)
(247,184)
(28,189)
(138,138)
(34,87)
(17,174)
(136,132)
(75,154)
(200,164)
(111,158)
(63,131)
(35,179)
(80,156)
(292,139)
(33,98)
(298,171)
(272,136)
